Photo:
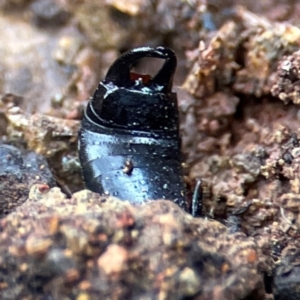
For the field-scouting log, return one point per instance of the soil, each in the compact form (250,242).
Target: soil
(238,87)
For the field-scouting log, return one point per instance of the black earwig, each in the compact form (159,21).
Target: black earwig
(129,143)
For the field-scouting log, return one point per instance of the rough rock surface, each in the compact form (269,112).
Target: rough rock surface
(18,171)
(286,86)
(89,245)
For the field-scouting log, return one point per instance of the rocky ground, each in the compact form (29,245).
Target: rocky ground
(238,87)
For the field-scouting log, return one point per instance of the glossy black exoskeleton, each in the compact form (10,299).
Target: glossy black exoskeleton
(129,143)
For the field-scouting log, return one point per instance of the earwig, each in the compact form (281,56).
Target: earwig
(129,142)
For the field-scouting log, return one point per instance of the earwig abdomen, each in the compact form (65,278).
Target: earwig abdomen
(129,143)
